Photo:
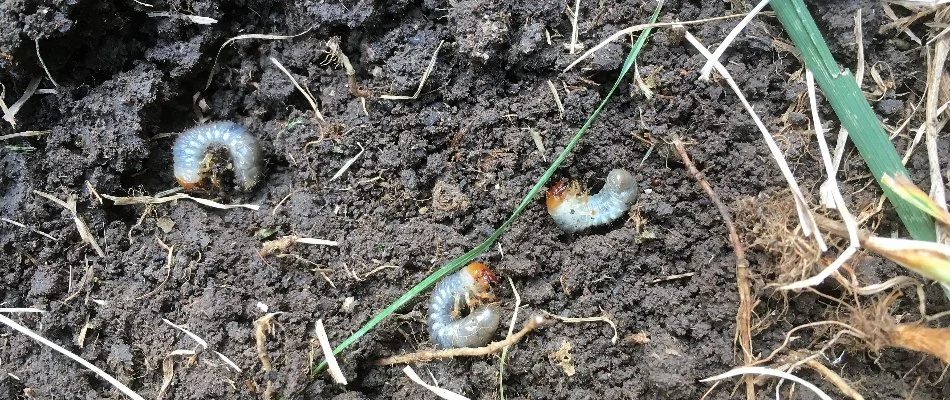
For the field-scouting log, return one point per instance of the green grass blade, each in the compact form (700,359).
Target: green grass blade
(464,259)
(852,109)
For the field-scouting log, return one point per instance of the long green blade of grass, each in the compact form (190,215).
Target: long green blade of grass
(852,109)
(462,260)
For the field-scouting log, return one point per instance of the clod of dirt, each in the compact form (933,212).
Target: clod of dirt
(449,199)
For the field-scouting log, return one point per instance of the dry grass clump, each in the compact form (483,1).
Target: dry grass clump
(769,224)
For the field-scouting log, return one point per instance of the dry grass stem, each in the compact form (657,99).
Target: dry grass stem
(214,65)
(19,310)
(10,113)
(108,378)
(422,82)
(442,393)
(637,28)
(770,372)
(284,242)
(937,184)
(332,366)
(228,361)
(87,276)
(337,52)
(711,62)
(647,92)
(744,314)
(575,320)
(122,201)
(23,134)
(21,225)
(511,331)
(169,263)
(428,355)
(304,91)
(835,379)
(70,205)
(831,188)
(536,138)
(346,166)
(262,327)
(933,341)
(193,336)
(557,97)
(43,63)
(187,17)
(168,369)
(573,45)
(806,219)
(918,4)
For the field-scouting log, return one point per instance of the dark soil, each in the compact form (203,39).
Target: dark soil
(438,175)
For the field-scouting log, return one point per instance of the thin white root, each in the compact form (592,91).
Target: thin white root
(588,319)
(771,372)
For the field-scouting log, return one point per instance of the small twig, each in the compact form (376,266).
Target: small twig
(744,315)
(534,323)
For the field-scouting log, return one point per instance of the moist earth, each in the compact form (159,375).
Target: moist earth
(432,177)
